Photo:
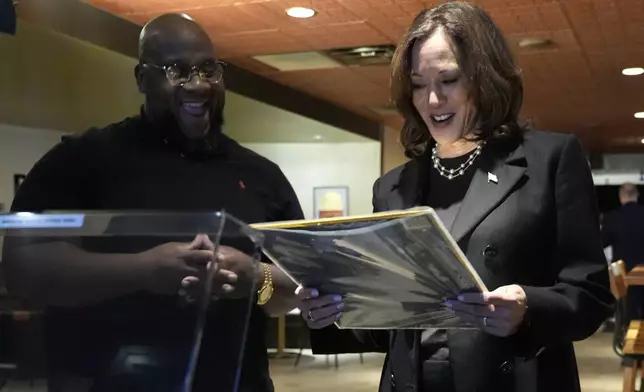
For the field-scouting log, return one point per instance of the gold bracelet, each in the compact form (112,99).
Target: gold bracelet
(265,292)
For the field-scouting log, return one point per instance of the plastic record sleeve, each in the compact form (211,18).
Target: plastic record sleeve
(394,269)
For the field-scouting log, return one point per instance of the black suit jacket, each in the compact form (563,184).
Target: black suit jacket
(623,229)
(536,226)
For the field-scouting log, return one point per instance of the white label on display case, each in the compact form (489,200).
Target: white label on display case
(24,220)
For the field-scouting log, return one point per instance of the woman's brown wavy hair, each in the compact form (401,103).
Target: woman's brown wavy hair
(484,57)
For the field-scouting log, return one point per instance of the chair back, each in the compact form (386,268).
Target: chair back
(617,273)
(618,279)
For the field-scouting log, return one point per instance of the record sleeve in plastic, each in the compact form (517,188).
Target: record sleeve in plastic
(395,270)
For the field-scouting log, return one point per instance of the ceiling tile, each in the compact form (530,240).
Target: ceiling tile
(575,85)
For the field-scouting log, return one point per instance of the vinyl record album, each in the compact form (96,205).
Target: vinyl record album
(395,271)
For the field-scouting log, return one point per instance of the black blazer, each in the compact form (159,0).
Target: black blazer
(537,226)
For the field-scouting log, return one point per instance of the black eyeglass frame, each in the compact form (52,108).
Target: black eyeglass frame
(182,79)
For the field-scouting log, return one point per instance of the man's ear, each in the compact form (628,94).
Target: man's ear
(140,80)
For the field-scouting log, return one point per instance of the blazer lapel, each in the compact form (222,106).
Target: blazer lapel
(492,182)
(412,185)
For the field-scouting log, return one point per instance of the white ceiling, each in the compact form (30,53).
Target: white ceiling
(251,121)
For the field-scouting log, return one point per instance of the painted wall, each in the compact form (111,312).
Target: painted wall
(309,165)
(20,148)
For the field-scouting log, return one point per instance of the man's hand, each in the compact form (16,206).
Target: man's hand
(167,265)
(238,274)
(498,313)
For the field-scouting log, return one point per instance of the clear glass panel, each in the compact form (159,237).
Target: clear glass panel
(98,302)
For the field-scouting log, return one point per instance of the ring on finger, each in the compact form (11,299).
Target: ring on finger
(310,316)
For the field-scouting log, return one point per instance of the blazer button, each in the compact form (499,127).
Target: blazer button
(490,252)
(393,381)
(506,367)
(410,388)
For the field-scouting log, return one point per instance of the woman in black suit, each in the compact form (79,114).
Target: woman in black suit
(520,203)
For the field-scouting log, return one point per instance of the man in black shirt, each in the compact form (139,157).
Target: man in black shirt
(172,157)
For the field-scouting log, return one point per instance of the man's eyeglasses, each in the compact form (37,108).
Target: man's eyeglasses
(212,71)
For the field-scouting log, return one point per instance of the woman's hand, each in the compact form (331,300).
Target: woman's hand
(319,312)
(499,312)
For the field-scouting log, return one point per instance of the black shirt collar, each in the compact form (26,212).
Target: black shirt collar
(214,144)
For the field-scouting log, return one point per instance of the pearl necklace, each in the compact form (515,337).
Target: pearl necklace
(459,171)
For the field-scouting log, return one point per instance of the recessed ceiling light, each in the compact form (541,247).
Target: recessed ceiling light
(642,141)
(633,71)
(639,115)
(300,12)
(317,137)
(534,42)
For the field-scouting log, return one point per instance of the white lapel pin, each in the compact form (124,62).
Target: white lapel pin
(492,178)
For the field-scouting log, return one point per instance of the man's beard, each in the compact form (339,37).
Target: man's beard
(205,145)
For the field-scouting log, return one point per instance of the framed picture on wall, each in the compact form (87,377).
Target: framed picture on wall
(17,181)
(330,201)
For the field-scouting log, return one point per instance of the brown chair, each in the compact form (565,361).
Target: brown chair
(628,339)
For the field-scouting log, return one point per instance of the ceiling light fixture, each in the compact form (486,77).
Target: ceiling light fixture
(633,71)
(639,115)
(317,137)
(535,43)
(642,141)
(300,12)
